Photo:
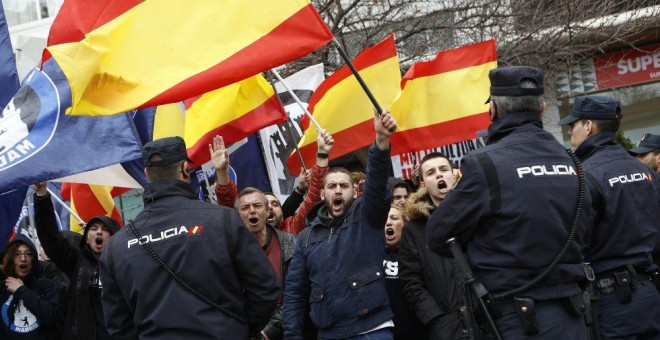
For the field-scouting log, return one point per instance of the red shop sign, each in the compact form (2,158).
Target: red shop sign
(628,67)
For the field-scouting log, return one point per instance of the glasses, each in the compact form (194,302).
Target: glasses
(27,254)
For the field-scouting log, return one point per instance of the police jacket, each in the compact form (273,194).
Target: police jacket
(209,247)
(79,264)
(32,311)
(625,198)
(431,282)
(513,209)
(337,266)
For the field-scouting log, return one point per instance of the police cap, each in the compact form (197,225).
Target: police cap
(593,107)
(170,149)
(505,81)
(649,142)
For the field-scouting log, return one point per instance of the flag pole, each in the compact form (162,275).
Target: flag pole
(357,75)
(58,200)
(295,97)
(290,128)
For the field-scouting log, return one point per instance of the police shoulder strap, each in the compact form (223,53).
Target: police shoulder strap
(181,281)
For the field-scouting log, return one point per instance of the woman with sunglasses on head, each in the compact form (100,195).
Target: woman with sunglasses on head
(30,305)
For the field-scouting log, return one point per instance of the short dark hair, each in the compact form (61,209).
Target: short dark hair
(402,184)
(157,173)
(247,191)
(430,156)
(338,169)
(610,125)
(268,193)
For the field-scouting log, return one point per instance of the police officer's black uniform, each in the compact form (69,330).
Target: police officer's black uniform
(625,200)
(513,209)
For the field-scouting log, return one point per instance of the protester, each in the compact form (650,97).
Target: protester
(226,189)
(400,192)
(337,264)
(406,324)
(648,151)
(627,210)
(297,196)
(514,222)
(430,281)
(84,317)
(30,304)
(278,246)
(358,183)
(224,284)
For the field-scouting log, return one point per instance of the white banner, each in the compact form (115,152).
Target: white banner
(279,140)
(403,164)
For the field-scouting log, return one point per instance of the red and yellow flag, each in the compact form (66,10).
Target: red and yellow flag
(89,200)
(442,101)
(157,52)
(342,107)
(233,112)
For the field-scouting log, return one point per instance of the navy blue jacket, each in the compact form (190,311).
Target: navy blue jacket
(36,304)
(515,217)
(141,300)
(337,266)
(625,197)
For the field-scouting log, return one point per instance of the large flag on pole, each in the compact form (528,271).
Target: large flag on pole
(218,43)
(342,108)
(39,142)
(442,101)
(233,112)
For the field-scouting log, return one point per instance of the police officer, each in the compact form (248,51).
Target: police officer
(625,200)
(514,209)
(225,288)
(648,151)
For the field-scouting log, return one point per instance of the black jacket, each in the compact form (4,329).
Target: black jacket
(79,265)
(209,247)
(430,281)
(625,195)
(513,209)
(36,304)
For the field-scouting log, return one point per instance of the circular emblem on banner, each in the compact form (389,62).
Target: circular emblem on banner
(28,122)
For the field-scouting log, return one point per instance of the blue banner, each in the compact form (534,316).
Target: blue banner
(8,73)
(39,142)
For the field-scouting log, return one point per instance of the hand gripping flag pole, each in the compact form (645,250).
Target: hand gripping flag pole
(357,75)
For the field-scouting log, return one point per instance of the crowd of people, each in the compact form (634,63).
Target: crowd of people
(563,244)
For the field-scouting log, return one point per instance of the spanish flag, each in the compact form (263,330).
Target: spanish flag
(442,101)
(89,200)
(157,52)
(233,112)
(342,107)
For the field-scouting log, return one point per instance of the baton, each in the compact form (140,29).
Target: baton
(477,288)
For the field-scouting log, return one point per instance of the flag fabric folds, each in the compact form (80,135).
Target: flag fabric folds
(342,107)
(442,101)
(233,112)
(12,201)
(39,142)
(91,200)
(8,73)
(220,42)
